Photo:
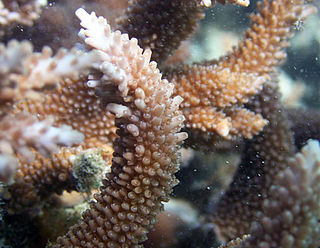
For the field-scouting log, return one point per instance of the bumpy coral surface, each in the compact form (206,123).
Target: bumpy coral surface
(107,118)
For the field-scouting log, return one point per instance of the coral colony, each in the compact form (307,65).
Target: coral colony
(99,125)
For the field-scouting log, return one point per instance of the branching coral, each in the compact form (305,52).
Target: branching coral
(163,31)
(117,86)
(25,74)
(70,169)
(263,157)
(214,92)
(180,17)
(213,98)
(24,12)
(293,201)
(145,157)
(73,103)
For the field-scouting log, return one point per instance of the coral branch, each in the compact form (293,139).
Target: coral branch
(264,156)
(263,46)
(21,131)
(66,170)
(239,75)
(293,201)
(73,103)
(23,12)
(212,95)
(24,74)
(145,157)
(180,17)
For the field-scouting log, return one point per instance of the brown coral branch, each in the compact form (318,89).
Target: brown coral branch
(289,217)
(161,31)
(19,133)
(22,131)
(293,201)
(264,156)
(263,46)
(305,125)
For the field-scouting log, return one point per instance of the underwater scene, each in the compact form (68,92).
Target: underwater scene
(160,124)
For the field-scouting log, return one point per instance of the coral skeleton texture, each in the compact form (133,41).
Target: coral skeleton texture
(106,119)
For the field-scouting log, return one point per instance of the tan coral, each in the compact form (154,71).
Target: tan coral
(145,157)
(263,46)
(236,77)
(237,122)
(74,103)
(36,181)
(21,132)
(213,98)
(28,74)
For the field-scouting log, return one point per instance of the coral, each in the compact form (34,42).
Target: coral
(24,73)
(214,92)
(269,178)
(24,12)
(36,181)
(27,74)
(213,97)
(305,125)
(180,17)
(263,157)
(109,90)
(293,200)
(72,103)
(145,156)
